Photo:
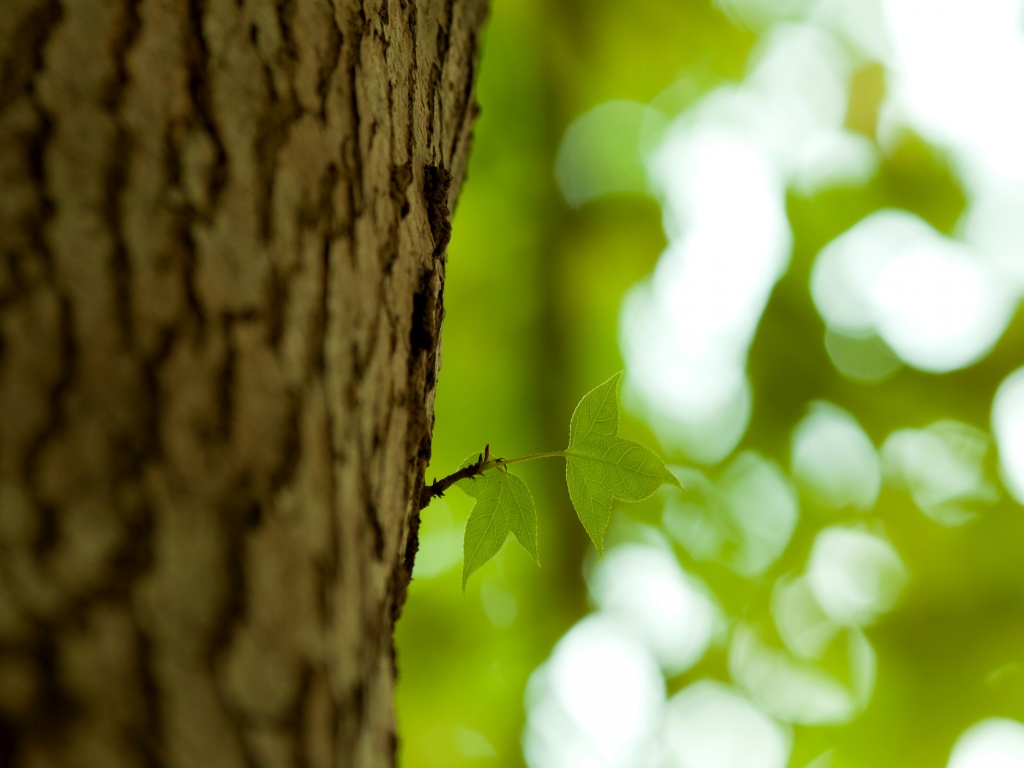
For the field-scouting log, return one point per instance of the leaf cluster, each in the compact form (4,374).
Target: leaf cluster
(600,466)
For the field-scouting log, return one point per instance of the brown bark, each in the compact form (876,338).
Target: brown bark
(222,228)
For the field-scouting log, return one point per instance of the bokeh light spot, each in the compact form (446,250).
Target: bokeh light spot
(860,357)
(962,102)
(597,701)
(942,467)
(600,153)
(1008,428)
(685,333)
(794,690)
(992,743)
(833,460)
(938,308)
(761,512)
(936,303)
(699,405)
(854,575)
(472,743)
(644,589)
(801,623)
(745,519)
(711,725)
(759,12)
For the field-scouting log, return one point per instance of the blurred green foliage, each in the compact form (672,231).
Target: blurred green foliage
(532,297)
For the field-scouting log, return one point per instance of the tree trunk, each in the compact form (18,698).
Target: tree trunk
(222,228)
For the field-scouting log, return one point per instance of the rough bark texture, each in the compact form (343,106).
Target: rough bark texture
(222,228)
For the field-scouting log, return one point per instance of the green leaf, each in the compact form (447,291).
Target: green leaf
(600,466)
(503,504)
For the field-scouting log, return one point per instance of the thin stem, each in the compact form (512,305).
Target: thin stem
(544,455)
(438,487)
(482,464)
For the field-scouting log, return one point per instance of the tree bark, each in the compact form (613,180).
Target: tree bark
(223,229)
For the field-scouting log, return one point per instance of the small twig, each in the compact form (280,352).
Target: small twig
(438,487)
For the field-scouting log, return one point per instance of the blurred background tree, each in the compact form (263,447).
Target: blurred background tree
(798,228)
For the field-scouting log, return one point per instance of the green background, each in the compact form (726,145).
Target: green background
(532,296)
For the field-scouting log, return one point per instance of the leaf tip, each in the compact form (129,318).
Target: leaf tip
(597,538)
